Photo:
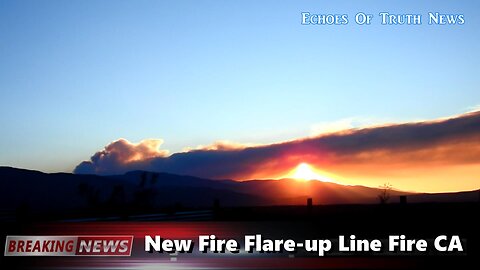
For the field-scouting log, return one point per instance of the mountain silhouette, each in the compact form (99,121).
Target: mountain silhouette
(50,192)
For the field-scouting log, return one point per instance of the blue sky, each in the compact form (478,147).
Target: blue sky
(76,75)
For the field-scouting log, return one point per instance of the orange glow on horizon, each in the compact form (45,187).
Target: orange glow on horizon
(305,171)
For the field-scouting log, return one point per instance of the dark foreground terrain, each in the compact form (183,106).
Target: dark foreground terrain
(173,206)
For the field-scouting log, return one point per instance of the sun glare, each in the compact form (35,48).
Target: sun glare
(305,171)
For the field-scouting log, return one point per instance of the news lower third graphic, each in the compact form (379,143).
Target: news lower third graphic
(122,245)
(208,134)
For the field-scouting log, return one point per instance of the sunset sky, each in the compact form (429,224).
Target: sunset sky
(164,84)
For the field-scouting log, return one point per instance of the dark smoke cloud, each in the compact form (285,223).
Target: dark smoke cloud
(441,142)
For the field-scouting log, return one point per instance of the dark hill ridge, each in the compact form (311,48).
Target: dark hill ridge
(63,191)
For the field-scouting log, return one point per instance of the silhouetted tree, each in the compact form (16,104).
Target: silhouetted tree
(143,179)
(154,178)
(145,197)
(384,195)
(89,193)
(117,198)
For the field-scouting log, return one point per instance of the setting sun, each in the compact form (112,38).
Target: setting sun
(305,171)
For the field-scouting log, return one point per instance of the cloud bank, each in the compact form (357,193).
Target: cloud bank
(120,154)
(363,153)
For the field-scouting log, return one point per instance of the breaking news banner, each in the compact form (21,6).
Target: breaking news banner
(68,245)
(208,134)
(121,245)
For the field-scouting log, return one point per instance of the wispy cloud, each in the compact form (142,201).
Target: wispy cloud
(221,145)
(345,125)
